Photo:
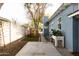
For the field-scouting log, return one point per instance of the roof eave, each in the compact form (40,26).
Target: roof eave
(61,8)
(4,19)
(74,13)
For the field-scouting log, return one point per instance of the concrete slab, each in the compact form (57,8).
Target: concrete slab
(38,49)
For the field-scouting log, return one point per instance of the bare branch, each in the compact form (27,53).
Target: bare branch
(36,10)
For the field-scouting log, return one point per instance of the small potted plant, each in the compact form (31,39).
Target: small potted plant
(57,35)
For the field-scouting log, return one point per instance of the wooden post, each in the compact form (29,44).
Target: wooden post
(10,32)
(3,36)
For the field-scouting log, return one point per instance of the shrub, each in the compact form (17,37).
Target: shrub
(30,37)
(57,32)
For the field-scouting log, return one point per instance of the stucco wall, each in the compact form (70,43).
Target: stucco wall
(12,31)
(5,33)
(16,31)
(66,25)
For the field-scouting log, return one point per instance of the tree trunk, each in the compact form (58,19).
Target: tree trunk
(37,31)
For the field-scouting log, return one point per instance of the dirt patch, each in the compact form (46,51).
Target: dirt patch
(75,53)
(13,48)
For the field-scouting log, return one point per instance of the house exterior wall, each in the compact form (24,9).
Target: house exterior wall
(6,34)
(66,25)
(11,32)
(17,31)
(78,6)
(45,27)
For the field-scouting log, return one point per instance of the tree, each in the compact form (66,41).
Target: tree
(36,12)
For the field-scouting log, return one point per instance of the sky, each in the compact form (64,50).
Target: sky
(14,11)
(52,8)
(17,12)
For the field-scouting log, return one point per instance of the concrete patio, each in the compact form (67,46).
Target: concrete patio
(43,48)
(38,49)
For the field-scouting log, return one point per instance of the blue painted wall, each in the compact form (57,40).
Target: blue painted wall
(66,25)
(45,26)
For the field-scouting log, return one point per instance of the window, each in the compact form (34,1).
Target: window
(59,23)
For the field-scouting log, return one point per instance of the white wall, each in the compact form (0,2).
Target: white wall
(12,31)
(6,35)
(16,32)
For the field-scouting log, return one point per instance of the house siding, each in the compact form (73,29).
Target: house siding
(66,25)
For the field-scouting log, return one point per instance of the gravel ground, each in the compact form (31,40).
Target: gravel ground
(13,48)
